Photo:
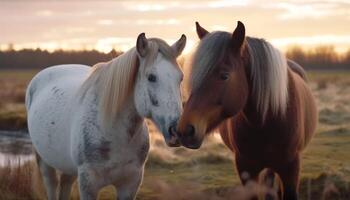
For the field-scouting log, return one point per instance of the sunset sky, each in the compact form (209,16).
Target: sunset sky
(104,25)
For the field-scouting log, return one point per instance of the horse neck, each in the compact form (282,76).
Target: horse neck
(250,112)
(127,119)
(253,115)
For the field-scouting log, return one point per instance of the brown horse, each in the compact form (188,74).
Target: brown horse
(260,101)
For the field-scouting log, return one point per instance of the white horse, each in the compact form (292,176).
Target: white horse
(89,122)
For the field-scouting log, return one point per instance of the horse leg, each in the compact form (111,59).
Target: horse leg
(88,185)
(247,170)
(269,178)
(129,188)
(269,181)
(289,174)
(66,182)
(49,178)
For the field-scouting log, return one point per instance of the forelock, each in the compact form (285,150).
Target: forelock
(156,46)
(211,50)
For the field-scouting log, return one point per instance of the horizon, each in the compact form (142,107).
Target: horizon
(107,25)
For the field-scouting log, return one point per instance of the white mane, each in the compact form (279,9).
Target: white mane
(268,68)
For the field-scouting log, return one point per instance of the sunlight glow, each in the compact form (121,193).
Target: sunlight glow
(227,3)
(107,44)
(105,22)
(171,21)
(44,13)
(301,11)
(150,7)
(341,43)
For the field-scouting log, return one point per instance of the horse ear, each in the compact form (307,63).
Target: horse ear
(179,45)
(142,45)
(238,36)
(201,32)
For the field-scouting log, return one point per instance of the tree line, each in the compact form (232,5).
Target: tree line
(39,59)
(319,58)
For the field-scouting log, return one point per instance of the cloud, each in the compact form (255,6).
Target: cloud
(105,22)
(44,13)
(170,21)
(162,6)
(298,10)
(227,3)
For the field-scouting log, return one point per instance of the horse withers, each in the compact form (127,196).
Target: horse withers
(264,108)
(89,122)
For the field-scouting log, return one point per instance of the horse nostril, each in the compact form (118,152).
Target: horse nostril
(172,130)
(190,130)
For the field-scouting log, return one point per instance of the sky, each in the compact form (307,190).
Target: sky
(104,25)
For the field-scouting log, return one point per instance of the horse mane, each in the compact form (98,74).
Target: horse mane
(114,81)
(268,72)
(267,67)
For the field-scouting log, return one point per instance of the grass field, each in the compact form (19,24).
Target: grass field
(208,173)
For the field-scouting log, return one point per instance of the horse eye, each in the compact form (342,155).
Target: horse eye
(224,76)
(152,78)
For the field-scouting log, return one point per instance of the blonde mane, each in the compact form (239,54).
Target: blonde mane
(268,69)
(114,80)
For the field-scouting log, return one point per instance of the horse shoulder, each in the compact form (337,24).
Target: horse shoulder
(229,131)
(143,149)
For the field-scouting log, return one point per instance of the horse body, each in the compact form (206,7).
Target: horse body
(75,139)
(89,122)
(260,101)
(49,99)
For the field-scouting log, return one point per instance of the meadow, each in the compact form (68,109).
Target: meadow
(208,173)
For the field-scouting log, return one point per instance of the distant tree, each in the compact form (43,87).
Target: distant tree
(296,53)
(29,58)
(321,57)
(10,47)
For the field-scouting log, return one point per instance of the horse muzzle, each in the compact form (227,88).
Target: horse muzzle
(174,140)
(188,138)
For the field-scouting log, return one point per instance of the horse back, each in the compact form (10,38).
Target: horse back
(56,75)
(295,67)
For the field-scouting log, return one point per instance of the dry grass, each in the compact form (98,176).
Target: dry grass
(22,183)
(12,93)
(16,182)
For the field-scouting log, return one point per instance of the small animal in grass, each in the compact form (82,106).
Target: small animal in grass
(89,123)
(258,99)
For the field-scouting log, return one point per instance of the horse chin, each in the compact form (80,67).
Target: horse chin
(196,145)
(191,143)
(173,143)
